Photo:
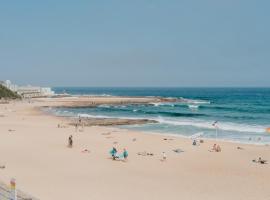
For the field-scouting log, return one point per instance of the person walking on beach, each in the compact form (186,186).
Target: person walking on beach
(70,141)
(76,127)
(125,154)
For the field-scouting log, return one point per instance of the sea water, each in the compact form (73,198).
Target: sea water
(242,114)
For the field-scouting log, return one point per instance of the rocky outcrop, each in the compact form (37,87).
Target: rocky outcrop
(109,121)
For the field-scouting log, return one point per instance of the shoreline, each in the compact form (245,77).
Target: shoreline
(163,134)
(113,122)
(122,121)
(68,119)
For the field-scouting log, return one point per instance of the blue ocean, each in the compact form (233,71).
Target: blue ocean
(241,114)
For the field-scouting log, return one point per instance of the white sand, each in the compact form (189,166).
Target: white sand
(36,154)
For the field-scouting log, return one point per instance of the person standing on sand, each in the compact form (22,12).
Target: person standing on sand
(113,153)
(125,154)
(76,127)
(70,141)
(82,127)
(164,156)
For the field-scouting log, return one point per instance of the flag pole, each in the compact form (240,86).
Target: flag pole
(216,132)
(215,125)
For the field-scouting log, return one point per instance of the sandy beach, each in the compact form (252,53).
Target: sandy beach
(34,151)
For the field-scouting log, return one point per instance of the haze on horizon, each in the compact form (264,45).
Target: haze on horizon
(135,43)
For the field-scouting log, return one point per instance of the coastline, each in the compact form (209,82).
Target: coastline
(46,168)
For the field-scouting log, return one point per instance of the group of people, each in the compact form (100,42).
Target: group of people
(115,155)
(124,155)
(260,161)
(215,148)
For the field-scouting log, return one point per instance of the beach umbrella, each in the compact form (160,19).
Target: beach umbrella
(196,135)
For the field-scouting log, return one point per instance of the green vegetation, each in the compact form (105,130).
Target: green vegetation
(6,93)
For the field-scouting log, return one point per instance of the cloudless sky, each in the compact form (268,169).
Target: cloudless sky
(135,43)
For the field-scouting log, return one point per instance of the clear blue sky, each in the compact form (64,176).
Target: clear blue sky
(135,43)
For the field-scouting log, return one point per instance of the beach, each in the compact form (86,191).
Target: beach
(34,150)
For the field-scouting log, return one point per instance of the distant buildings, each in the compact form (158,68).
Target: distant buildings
(28,91)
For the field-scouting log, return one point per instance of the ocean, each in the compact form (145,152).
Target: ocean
(242,114)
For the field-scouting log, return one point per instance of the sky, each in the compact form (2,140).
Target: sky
(211,43)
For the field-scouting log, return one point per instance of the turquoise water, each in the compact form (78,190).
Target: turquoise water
(243,114)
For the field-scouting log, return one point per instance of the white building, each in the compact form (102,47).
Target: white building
(32,91)
(28,91)
(10,86)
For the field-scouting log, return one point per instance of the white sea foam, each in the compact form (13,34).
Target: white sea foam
(104,106)
(162,104)
(200,102)
(100,95)
(94,95)
(156,104)
(191,106)
(93,116)
(194,101)
(119,106)
(105,95)
(226,126)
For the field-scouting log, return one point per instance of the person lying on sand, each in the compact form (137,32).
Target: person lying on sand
(178,150)
(260,161)
(144,153)
(214,148)
(85,151)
